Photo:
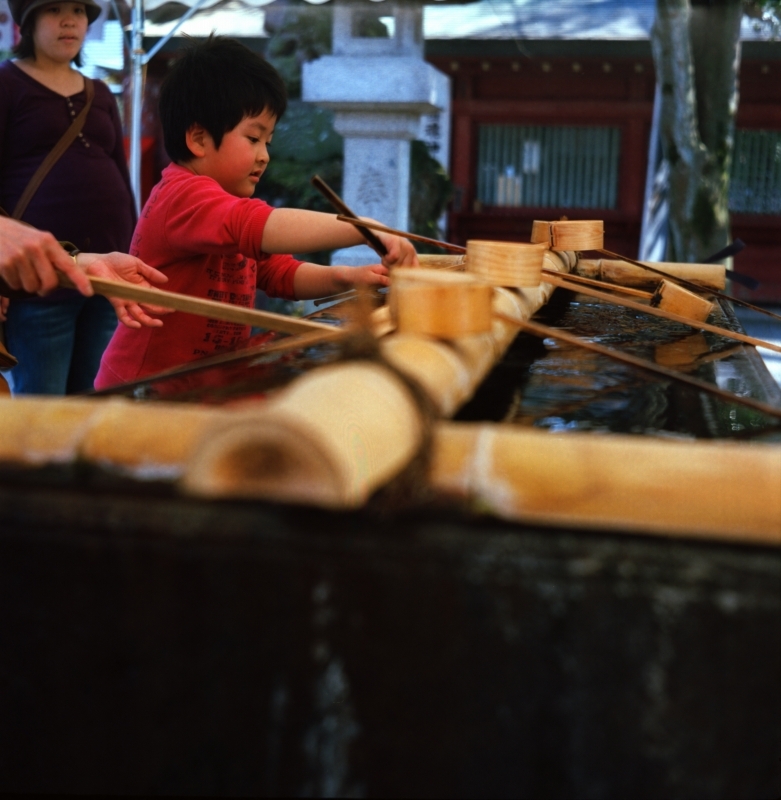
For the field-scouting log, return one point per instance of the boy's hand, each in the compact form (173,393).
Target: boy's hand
(401,253)
(122,267)
(372,275)
(316,280)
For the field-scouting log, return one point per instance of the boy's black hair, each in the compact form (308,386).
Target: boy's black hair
(216,84)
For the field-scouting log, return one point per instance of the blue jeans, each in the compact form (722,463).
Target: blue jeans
(58,344)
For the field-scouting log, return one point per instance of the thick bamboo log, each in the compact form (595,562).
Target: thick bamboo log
(330,439)
(147,442)
(144,440)
(44,430)
(721,490)
(708,276)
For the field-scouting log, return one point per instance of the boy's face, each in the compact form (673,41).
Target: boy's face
(241,158)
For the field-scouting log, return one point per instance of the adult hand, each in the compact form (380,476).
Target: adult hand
(29,259)
(3,308)
(401,253)
(122,267)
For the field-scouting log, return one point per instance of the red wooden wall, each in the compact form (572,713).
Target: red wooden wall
(596,83)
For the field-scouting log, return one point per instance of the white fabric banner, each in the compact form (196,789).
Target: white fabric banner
(7,26)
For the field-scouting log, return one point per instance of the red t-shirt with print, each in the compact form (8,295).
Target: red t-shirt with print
(208,244)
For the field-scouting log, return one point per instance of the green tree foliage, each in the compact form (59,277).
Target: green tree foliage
(431,192)
(766,15)
(299,33)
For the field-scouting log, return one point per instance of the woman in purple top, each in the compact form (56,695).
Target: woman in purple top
(85,198)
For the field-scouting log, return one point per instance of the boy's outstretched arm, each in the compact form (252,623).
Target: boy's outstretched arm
(293,230)
(315,280)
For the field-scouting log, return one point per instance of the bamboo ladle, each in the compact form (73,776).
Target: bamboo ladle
(584,285)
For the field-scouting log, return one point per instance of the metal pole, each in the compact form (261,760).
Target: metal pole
(136,99)
(138,60)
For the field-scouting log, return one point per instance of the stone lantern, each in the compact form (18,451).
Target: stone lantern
(380,89)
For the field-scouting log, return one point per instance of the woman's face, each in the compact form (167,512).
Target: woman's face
(59,31)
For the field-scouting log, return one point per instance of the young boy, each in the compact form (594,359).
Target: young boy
(201,227)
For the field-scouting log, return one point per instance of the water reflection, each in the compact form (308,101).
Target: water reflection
(569,388)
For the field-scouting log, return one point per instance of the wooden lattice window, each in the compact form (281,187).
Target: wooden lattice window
(755,182)
(548,166)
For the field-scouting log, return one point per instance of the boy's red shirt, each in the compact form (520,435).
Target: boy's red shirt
(208,244)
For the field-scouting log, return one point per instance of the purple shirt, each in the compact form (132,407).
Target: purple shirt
(86,197)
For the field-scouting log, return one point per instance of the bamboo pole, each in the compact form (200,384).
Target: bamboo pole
(342,207)
(413,237)
(709,490)
(147,440)
(203,308)
(704,276)
(613,287)
(296,342)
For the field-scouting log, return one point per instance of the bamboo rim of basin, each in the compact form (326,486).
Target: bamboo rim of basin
(516,265)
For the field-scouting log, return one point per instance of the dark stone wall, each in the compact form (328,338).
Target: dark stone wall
(151,644)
